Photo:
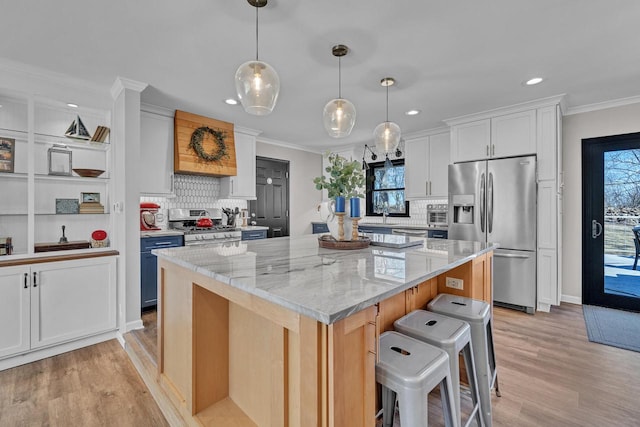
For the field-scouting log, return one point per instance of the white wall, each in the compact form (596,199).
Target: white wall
(303,197)
(611,121)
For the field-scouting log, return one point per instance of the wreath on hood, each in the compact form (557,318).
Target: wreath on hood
(220,150)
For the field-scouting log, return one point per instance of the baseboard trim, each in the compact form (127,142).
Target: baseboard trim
(571,299)
(136,324)
(43,353)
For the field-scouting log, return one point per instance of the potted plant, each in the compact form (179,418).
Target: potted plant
(345,180)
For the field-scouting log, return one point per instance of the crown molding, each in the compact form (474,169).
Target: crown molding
(426,133)
(286,145)
(157,110)
(248,131)
(602,105)
(529,105)
(123,83)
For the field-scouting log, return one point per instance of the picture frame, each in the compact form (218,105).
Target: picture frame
(90,197)
(7,154)
(59,162)
(67,206)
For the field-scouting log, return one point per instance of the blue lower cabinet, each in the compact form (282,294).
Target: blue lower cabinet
(379,230)
(320,228)
(149,266)
(438,234)
(254,234)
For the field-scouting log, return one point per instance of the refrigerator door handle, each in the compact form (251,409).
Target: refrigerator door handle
(490,200)
(482,202)
(495,254)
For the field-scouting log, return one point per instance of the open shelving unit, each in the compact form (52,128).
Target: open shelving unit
(28,194)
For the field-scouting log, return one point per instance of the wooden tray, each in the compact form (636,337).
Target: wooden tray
(328,242)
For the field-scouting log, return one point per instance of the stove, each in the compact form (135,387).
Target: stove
(186,220)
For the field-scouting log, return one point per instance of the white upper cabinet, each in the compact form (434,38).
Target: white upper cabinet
(470,141)
(156,153)
(502,136)
(513,134)
(243,185)
(426,162)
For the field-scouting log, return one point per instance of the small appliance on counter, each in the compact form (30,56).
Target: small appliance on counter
(437,215)
(150,217)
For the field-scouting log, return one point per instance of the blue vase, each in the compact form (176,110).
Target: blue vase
(340,204)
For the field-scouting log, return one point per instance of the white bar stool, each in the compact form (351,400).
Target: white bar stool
(453,336)
(409,369)
(478,315)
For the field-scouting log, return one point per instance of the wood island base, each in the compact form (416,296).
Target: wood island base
(229,358)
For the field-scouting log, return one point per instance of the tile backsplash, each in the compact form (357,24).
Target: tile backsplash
(198,192)
(417,212)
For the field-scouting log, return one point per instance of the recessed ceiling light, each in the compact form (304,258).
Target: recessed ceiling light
(72,105)
(231,101)
(412,112)
(534,81)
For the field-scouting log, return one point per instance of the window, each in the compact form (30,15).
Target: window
(385,189)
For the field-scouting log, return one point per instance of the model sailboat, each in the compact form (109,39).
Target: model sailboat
(77,130)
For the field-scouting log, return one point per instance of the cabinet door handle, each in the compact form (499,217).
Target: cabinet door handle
(430,191)
(426,188)
(26,279)
(35,281)
(493,149)
(487,150)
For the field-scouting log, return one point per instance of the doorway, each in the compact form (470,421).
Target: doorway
(271,207)
(610,211)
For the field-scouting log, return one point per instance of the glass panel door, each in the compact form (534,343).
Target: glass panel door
(611,221)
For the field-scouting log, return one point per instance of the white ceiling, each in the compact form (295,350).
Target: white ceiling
(449,57)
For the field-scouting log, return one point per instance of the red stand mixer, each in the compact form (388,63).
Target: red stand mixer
(150,217)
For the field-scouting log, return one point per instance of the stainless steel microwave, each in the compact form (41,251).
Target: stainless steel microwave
(437,215)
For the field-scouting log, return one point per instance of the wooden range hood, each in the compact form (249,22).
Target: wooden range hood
(214,134)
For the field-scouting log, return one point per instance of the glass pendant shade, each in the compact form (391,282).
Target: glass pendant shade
(257,86)
(387,137)
(339,116)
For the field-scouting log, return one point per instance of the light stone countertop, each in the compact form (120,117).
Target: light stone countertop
(324,284)
(161,233)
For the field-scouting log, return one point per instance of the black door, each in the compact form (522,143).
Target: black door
(610,211)
(271,208)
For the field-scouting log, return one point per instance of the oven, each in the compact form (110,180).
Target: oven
(189,221)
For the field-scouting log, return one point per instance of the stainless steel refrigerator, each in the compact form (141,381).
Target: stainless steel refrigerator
(495,201)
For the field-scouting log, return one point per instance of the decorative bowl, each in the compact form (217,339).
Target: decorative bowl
(89,173)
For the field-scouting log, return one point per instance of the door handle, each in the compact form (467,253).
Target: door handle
(490,209)
(26,279)
(510,256)
(596,229)
(482,202)
(35,281)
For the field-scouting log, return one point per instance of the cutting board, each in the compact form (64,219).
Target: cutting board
(394,240)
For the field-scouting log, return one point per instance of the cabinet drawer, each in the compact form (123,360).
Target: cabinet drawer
(254,234)
(438,234)
(320,228)
(149,243)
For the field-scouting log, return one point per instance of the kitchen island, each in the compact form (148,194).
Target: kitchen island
(281,332)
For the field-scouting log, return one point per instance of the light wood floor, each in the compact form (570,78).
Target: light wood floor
(93,386)
(550,375)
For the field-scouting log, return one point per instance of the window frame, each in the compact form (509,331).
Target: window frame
(370,184)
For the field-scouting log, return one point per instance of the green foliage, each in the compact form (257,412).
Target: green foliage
(346,178)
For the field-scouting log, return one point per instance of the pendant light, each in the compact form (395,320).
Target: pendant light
(257,83)
(339,114)
(387,134)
